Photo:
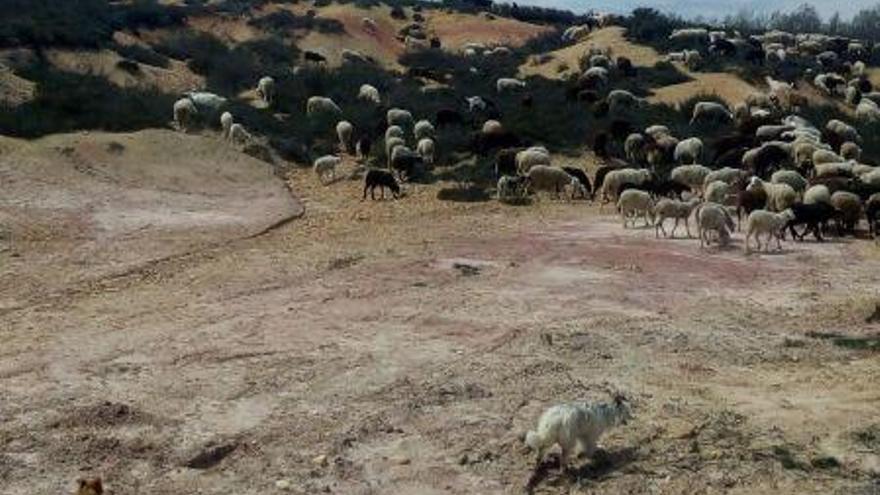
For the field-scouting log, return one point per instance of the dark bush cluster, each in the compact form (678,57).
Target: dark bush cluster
(284,21)
(142,54)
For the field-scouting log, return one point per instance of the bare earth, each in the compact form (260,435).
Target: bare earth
(403,347)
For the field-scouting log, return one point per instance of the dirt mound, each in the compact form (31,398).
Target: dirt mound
(728,87)
(14,90)
(456,29)
(99,204)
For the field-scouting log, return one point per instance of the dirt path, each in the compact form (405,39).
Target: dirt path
(403,347)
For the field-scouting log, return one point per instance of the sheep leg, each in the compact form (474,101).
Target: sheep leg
(778,242)
(365,192)
(674,227)
(658,227)
(687,228)
(748,236)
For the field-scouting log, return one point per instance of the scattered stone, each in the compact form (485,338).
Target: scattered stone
(320,460)
(211,456)
(283,485)
(466,269)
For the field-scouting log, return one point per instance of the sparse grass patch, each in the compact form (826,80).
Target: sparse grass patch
(869,343)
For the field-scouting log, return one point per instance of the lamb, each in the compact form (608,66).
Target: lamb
(711,111)
(531,157)
(616,178)
(507,84)
(185,114)
(512,187)
(318,105)
(633,203)
(226,121)
(399,117)
(818,193)
(767,222)
(325,168)
(576,426)
(814,215)
(266,90)
(547,178)
(425,148)
(779,196)
(790,177)
(712,217)
(692,176)
(423,129)
(345,132)
(239,135)
(381,179)
(849,210)
(717,192)
(850,151)
(689,151)
(678,210)
(368,92)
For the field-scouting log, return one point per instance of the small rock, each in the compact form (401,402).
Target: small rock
(320,460)
(403,461)
(283,485)
(463,459)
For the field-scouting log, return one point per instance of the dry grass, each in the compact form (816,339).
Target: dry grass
(728,87)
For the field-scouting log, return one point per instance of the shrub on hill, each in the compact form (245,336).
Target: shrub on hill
(284,21)
(142,54)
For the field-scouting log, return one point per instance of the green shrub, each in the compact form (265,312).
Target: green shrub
(142,54)
(284,21)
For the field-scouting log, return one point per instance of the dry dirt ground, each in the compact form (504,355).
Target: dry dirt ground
(403,347)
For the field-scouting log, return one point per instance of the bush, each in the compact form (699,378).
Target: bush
(397,12)
(226,71)
(284,21)
(142,54)
(40,23)
(65,102)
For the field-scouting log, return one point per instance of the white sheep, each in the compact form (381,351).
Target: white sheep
(689,151)
(780,197)
(727,174)
(531,157)
(425,148)
(390,145)
(507,84)
(657,131)
(423,129)
(616,178)
(394,131)
(266,90)
(634,148)
(821,156)
(345,133)
(317,105)
(766,222)
(185,114)
(325,168)
(693,59)
(576,33)
(492,127)
(850,151)
(817,194)
(207,103)
(843,131)
(695,37)
(833,169)
(677,210)
(368,92)
(867,110)
(692,176)
(476,103)
(576,426)
(790,177)
(871,178)
(717,192)
(711,111)
(634,203)
(622,101)
(399,117)
(226,121)
(553,179)
(712,217)
(239,135)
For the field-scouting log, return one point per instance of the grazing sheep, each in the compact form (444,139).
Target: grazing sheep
(818,193)
(405,161)
(394,131)
(425,148)
(822,156)
(576,426)
(729,175)
(325,168)
(772,132)
(790,177)
(531,157)
(616,178)
(320,105)
(657,131)
(842,132)
(368,92)
(239,135)
(689,151)
(575,33)
(208,104)
(266,90)
(779,196)
(814,215)
(553,179)
(599,60)
(621,101)
(692,37)
(226,122)
(508,84)
(512,187)
(363,147)
(581,176)
(634,148)
(712,217)
(677,210)
(717,192)
(345,133)
(423,129)
(390,145)
(767,222)
(692,59)
(633,203)
(712,112)
(185,114)
(849,210)
(399,117)
(595,78)
(843,169)
(381,179)
(692,176)
(850,151)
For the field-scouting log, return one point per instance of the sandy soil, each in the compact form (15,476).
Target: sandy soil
(404,346)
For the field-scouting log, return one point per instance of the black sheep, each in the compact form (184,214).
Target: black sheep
(505,162)
(482,144)
(814,216)
(406,162)
(381,179)
(600,145)
(664,188)
(581,176)
(723,47)
(872,212)
(363,146)
(601,172)
(625,66)
(316,57)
